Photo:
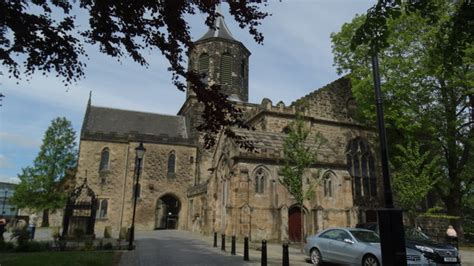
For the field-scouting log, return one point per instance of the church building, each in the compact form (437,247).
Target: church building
(228,189)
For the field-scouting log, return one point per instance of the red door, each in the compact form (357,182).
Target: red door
(294,224)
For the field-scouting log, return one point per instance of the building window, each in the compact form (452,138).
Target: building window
(137,189)
(226,69)
(242,68)
(104,160)
(260,176)
(361,166)
(328,185)
(102,205)
(171,162)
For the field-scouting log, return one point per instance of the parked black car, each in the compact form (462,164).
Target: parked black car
(439,253)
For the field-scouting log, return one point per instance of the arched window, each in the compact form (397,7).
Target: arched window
(171,162)
(260,176)
(362,168)
(204,63)
(104,160)
(328,180)
(226,69)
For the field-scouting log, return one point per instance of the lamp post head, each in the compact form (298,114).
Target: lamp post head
(140,150)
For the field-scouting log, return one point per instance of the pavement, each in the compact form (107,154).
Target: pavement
(174,247)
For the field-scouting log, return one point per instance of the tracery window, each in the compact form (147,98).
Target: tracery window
(361,166)
(260,176)
(104,160)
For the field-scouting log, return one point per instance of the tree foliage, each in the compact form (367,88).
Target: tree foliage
(418,172)
(427,81)
(298,156)
(38,188)
(51,41)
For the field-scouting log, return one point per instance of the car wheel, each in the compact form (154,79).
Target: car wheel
(316,258)
(370,260)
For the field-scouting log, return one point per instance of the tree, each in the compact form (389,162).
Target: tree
(427,84)
(32,41)
(418,172)
(299,156)
(39,184)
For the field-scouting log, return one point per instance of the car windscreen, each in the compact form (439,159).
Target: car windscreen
(414,234)
(365,236)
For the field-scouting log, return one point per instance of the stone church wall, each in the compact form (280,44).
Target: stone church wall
(116,184)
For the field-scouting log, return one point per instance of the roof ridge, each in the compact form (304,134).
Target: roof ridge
(135,111)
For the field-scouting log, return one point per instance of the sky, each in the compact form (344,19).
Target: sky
(294,60)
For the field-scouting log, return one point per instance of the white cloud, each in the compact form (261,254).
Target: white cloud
(9,179)
(5,162)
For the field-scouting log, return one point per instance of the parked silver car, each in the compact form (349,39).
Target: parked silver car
(350,246)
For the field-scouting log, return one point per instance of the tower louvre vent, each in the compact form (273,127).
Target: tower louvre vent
(226,69)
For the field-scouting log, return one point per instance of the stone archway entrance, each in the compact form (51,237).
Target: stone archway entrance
(294,224)
(167,212)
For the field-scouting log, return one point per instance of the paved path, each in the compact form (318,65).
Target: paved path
(172,247)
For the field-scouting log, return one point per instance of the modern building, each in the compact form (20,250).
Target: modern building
(6,192)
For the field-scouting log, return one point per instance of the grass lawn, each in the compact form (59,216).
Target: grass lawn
(71,258)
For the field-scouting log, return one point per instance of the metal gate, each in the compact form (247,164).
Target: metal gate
(80,212)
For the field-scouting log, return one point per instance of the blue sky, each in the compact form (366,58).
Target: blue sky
(295,59)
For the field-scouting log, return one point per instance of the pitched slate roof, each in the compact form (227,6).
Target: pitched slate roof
(122,123)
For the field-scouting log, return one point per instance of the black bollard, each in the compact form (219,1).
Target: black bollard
(215,239)
(264,253)
(246,249)
(223,243)
(286,258)
(232,250)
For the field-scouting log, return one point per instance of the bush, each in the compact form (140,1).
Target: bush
(6,246)
(108,246)
(88,245)
(33,246)
(21,235)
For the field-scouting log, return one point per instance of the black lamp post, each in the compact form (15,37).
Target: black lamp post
(140,151)
(392,235)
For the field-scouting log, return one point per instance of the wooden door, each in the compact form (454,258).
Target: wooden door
(294,224)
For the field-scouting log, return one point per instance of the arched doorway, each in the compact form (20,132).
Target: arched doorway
(167,212)
(294,224)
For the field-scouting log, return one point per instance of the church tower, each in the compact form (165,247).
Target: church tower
(223,59)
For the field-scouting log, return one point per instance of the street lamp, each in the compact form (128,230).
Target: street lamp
(140,151)
(392,234)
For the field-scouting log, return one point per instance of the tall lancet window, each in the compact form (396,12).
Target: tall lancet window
(171,163)
(328,180)
(361,166)
(260,176)
(104,160)
(226,69)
